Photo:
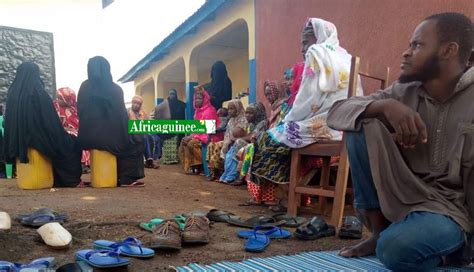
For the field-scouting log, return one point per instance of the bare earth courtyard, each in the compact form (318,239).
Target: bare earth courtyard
(114,214)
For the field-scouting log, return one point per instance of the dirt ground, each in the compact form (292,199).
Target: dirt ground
(114,214)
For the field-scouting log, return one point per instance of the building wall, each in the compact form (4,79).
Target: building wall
(375,30)
(18,45)
(234,11)
(147,91)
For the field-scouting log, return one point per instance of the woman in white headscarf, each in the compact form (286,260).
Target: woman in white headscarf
(325,81)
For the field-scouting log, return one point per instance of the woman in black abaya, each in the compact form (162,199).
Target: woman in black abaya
(220,87)
(32,122)
(103,122)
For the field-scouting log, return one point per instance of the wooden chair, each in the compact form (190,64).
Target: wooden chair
(326,149)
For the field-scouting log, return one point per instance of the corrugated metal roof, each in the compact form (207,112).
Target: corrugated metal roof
(204,13)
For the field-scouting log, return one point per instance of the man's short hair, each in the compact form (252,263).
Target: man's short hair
(455,27)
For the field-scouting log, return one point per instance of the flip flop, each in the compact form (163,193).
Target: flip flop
(315,229)
(148,226)
(257,242)
(78,266)
(260,220)
(217,215)
(134,184)
(102,258)
(351,228)
(35,264)
(271,232)
(130,247)
(290,221)
(40,219)
(42,211)
(190,214)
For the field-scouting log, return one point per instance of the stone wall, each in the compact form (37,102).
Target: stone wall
(18,45)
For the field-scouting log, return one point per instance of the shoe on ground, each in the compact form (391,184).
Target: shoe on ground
(196,230)
(166,236)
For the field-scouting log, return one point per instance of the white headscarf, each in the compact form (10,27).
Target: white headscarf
(325,81)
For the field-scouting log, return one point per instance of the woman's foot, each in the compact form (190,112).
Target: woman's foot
(86,169)
(252,202)
(134,184)
(237,182)
(84,184)
(149,163)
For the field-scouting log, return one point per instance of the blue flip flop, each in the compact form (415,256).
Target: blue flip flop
(271,232)
(258,242)
(130,247)
(102,258)
(38,263)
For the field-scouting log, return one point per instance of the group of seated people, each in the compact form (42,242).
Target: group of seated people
(65,130)
(413,184)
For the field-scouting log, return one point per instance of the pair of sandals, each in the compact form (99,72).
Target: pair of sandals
(108,254)
(259,238)
(318,228)
(41,217)
(279,219)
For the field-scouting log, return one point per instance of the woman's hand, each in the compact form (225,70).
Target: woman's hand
(253,138)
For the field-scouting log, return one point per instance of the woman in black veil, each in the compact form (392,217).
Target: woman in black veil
(103,122)
(32,122)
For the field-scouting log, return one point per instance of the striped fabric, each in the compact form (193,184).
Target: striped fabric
(309,261)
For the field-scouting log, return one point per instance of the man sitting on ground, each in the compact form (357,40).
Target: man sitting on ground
(411,150)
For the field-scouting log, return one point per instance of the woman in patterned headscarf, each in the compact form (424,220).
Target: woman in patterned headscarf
(237,124)
(256,117)
(66,107)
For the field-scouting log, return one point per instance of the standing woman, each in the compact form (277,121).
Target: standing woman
(103,122)
(220,87)
(32,122)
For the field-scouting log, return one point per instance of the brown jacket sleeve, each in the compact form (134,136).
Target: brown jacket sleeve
(344,115)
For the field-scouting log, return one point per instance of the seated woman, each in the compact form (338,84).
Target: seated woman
(256,123)
(190,149)
(32,122)
(324,82)
(66,107)
(103,123)
(170,109)
(216,152)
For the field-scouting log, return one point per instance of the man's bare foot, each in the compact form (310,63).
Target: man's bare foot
(364,248)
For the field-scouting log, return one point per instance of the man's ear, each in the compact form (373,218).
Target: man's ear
(450,51)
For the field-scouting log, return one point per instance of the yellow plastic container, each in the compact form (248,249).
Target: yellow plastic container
(37,174)
(103,169)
